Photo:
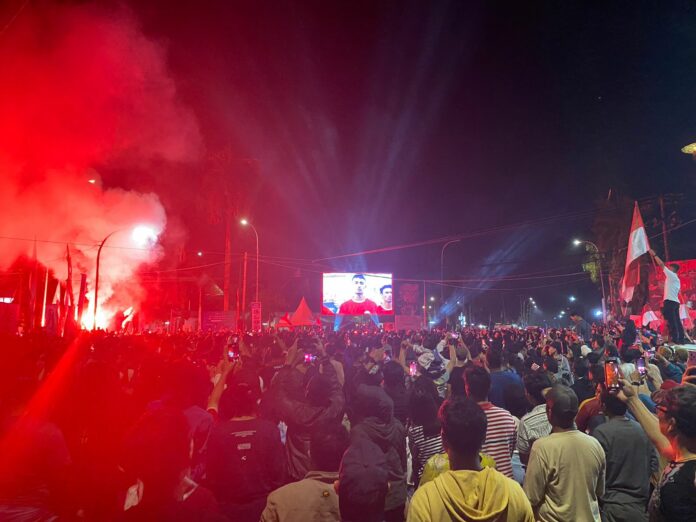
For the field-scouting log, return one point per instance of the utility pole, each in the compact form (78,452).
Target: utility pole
(244,287)
(228,259)
(664,226)
(200,308)
(425,310)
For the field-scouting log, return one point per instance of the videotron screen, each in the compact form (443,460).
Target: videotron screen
(357,293)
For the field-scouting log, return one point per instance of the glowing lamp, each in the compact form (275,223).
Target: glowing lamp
(577,242)
(244,221)
(144,235)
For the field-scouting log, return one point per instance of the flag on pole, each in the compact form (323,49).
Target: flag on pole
(637,246)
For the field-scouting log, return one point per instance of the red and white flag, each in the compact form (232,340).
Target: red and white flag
(637,246)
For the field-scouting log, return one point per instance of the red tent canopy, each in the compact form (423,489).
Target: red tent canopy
(303,316)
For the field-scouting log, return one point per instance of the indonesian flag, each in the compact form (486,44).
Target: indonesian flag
(637,246)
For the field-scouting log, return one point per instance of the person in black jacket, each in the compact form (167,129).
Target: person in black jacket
(307,394)
(373,418)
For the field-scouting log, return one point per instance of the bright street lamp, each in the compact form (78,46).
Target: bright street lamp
(571,299)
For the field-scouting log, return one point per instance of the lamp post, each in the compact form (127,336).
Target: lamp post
(578,242)
(245,222)
(442,275)
(142,235)
(96,280)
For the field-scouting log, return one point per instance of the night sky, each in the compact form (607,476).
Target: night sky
(365,124)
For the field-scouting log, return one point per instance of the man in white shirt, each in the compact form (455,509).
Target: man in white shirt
(670,305)
(565,474)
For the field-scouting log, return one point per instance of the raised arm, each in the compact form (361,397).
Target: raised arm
(647,420)
(659,261)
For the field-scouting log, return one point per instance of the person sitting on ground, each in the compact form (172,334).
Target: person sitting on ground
(673,433)
(314,497)
(468,491)
(535,424)
(565,473)
(631,460)
(502,430)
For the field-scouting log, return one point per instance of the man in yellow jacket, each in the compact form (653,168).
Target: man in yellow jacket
(468,492)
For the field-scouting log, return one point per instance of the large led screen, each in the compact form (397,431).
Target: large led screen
(357,294)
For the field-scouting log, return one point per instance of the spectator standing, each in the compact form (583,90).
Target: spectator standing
(673,432)
(535,424)
(631,460)
(424,426)
(468,491)
(395,386)
(312,499)
(501,432)
(374,420)
(500,378)
(565,474)
(583,386)
(582,327)
(157,455)
(363,482)
(303,406)
(245,456)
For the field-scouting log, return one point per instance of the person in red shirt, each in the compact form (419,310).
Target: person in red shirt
(358,304)
(386,308)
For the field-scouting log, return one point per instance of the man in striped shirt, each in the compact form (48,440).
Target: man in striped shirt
(501,431)
(535,424)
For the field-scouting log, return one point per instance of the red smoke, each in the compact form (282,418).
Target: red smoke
(84,89)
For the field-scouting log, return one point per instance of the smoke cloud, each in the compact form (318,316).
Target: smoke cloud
(85,89)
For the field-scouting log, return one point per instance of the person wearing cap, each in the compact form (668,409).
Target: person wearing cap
(363,481)
(631,460)
(314,497)
(673,433)
(565,474)
(468,491)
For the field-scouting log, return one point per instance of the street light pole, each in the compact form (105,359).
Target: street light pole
(442,275)
(96,280)
(601,276)
(246,222)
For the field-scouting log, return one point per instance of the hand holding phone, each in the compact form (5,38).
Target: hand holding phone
(640,366)
(612,374)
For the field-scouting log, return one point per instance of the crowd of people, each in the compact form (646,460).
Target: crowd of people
(485,424)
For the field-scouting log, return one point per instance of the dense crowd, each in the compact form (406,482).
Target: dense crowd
(585,423)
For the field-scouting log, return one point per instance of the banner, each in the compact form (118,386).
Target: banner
(255,316)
